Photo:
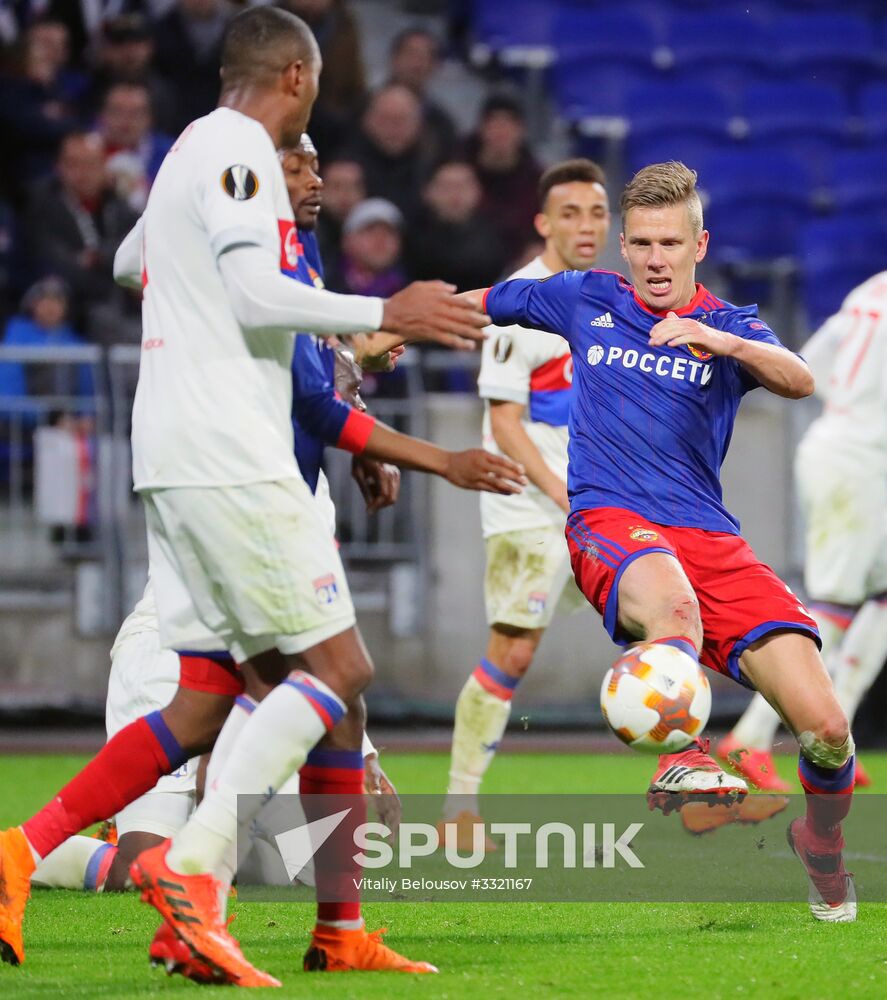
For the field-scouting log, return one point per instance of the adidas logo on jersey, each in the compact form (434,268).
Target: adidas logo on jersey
(605,320)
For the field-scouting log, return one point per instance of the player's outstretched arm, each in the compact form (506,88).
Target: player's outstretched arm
(128,259)
(474,469)
(511,437)
(431,311)
(772,365)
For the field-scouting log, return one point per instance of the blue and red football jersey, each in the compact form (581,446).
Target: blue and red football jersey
(320,417)
(649,426)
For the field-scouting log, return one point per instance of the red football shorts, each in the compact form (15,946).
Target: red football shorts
(214,673)
(740,598)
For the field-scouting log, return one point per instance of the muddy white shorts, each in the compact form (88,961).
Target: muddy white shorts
(528,577)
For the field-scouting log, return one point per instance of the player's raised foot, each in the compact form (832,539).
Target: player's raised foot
(863,778)
(758,808)
(16,867)
(692,776)
(170,951)
(190,905)
(756,766)
(334,949)
(705,817)
(464,825)
(832,892)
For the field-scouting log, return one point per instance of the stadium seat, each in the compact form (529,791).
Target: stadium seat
(504,24)
(858,179)
(673,108)
(835,255)
(688,147)
(873,107)
(723,48)
(779,109)
(754,204)
(837,48)
(584,89)
(603,37)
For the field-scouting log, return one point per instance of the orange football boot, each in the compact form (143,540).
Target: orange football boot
(170,951)
(190,905)
(756,766)
(863,779)
(464,822)
(334,949)
(702,817)
(16,867)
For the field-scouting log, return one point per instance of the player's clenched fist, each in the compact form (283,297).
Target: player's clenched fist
(429,310)
(477,469)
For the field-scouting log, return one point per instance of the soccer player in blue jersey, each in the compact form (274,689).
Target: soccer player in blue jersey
(660,368)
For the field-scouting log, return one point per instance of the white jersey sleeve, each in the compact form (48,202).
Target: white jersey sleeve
(235,200)
(506,365)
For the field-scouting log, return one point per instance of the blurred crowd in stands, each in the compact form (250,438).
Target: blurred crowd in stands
(93,94)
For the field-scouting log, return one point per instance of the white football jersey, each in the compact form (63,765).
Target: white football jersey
(212,406)
(848,357)
(536,369)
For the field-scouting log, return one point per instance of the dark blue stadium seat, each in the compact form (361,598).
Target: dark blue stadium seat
(719,45)
(837,48)
(873,107)
(858,179)
(755,204)
(582,88)
(835,255)
(502,24)
(603,36)
(688,147)
(657,109)
(778,109)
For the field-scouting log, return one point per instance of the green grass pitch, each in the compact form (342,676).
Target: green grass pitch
(81,945)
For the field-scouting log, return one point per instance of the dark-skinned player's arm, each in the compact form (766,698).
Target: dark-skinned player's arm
(474,469)
(322,414)
(770,364)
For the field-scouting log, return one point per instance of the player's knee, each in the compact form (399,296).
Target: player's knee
(354,674)
(830,743)
(518,657)
(680,609)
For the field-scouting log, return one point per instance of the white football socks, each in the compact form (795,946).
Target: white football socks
(481,719)
(861,656)
(271,746)
(67,865)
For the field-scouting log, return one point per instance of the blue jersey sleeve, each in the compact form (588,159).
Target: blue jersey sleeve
(541,304)
(747,324)
(315,404)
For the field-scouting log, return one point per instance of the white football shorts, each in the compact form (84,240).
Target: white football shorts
(528,577)
(143,679)
(256,564)
(844,503)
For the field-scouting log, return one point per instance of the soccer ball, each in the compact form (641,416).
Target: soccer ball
(656,698)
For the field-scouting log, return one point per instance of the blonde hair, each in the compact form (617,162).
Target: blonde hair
(661,185)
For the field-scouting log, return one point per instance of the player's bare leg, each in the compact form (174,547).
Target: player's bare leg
(657,604)
(788,671)
(747,747)
(482,712)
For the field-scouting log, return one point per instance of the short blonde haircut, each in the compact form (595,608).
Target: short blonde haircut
(661,185)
